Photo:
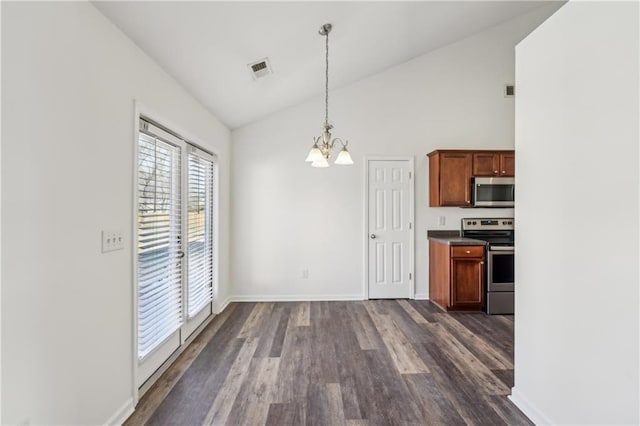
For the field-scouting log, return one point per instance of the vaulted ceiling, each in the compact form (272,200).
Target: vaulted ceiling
(206,46)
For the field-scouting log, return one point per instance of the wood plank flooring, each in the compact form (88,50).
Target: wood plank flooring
(377,362)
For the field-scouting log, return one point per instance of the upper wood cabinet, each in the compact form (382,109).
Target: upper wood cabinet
(450,173)
(449,178)
(494,163)
(508,164)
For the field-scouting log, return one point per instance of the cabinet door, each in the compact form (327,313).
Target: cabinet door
(455,179)
(467,283)
(486,164)
(508,164)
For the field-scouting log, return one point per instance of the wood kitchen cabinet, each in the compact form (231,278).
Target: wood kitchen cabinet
(456,276)
(450,173)
(450,178)
(494,163)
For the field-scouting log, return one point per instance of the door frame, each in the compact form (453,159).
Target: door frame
(142,110)
(410,160)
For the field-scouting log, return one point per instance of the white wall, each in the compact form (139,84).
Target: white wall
(69,81)
(288,217)
(576,343)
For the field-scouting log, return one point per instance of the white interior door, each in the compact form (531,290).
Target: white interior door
(390,229)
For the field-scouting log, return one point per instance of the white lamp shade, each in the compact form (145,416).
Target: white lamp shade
(320,163)
(344,158)
(314,155)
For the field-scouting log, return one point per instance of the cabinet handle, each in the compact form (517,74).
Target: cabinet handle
(495,171)
(468,251)
(482,263)
(504,172)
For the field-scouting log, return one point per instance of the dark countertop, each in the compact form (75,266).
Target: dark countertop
(453,238)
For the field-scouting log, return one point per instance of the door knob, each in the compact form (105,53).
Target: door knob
(373,236)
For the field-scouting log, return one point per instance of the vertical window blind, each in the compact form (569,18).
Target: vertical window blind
(200,228)
(159,245)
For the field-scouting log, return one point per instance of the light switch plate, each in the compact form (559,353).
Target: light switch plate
(112,240)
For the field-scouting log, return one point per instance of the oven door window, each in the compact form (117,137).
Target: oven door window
(501,276)
(502,268)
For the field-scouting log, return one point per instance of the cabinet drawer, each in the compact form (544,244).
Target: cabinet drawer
(467,251)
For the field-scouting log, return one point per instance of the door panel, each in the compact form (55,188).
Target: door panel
(486,164)
(199,238)
(380,210)
(508,165)
(467,274)
(159,252)
(381,261)
(455,170)
(396,209)
(389,234)
(397,262)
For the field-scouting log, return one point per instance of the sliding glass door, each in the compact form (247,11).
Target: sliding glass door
(175,259)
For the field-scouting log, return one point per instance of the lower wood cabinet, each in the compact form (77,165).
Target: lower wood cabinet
(457,276)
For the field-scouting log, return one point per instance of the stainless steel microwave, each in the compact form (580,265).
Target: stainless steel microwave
(493,191)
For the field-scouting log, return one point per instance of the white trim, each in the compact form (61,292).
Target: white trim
(121,414)
(412,208)
(294,297)
(421,296)
(223,306)
(137,107)
(528,408)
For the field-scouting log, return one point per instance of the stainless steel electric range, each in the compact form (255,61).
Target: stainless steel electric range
(499,234)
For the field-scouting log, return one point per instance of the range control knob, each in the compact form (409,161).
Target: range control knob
(504,222)
(510,223)
(468,222)
(475,223)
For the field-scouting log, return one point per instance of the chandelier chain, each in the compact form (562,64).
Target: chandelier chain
(326,80)
(324,144)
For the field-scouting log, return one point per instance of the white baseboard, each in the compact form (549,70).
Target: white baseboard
(122,414)
(528,408)
(421,296)
(224,305)
(294,297)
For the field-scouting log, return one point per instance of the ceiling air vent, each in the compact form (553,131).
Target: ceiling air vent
(260,69)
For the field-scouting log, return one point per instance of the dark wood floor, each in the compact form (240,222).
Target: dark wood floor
(330,363)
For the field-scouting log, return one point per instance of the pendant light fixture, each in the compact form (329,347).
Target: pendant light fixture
(323,145)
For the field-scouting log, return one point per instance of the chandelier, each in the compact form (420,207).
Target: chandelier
(323,145)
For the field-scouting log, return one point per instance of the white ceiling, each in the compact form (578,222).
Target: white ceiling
(206,46)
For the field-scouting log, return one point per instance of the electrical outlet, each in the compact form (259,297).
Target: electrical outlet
(112,240)
(305,273)
(441,220)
